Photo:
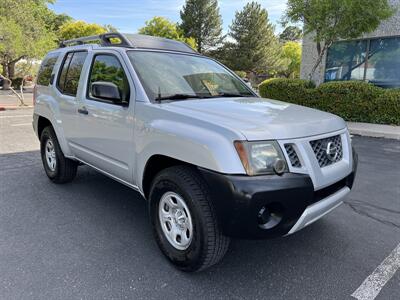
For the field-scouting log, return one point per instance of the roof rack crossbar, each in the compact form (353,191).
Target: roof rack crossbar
(103,39)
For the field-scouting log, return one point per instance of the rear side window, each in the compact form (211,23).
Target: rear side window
(71,69)
(46,69)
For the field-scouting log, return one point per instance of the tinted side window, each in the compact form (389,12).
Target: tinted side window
(108,68)
(46,69)
(64,69)
(71,71)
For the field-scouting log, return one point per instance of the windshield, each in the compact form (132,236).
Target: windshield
(172,76)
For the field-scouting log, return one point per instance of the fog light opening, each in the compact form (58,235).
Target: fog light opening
(268,217)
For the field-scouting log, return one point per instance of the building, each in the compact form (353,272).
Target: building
(373,58)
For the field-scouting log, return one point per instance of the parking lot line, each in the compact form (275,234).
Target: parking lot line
(371,286)
(21,124)
(16,116)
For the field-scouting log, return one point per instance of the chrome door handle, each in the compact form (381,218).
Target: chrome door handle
(83,111)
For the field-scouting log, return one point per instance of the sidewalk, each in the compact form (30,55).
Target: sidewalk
(374,130)
(9,101)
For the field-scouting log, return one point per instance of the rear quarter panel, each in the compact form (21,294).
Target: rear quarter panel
(47,106)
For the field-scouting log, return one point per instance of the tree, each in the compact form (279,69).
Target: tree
(291,53)
(202,21)
(255,47)
(27,67)
(77,29)
(332,20)
(291,33)
(54,21)
(162,27)
(24,34)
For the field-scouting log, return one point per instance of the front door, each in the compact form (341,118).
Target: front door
(105,127)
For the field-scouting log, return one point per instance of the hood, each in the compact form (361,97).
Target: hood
(259,118)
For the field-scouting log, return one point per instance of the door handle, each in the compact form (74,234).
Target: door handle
(83,111)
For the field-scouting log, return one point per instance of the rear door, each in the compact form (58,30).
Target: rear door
(68,88)
(105,128)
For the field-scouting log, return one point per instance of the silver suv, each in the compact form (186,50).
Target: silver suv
(212,158)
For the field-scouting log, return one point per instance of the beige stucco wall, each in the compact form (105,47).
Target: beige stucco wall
(390,27)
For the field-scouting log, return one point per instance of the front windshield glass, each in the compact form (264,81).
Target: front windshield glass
(171,76)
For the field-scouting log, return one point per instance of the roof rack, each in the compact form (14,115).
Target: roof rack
(104,39)
(115,39)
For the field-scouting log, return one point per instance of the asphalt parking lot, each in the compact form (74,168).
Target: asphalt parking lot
(91,239)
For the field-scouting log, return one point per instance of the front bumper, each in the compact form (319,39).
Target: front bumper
(238,200)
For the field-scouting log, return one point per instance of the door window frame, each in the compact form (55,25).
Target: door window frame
(62,67)
(89,97)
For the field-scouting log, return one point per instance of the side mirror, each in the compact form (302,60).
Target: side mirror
(106,90)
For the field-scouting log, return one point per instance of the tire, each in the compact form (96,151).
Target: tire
(58,168)
(206,246)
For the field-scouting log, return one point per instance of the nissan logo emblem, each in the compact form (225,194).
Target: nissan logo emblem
(331,151)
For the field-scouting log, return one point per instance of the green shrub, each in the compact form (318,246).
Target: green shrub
(241,74)
(352,100)
(387,108)
(294,90)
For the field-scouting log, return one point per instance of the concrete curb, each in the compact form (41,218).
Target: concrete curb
(374,130)
(3,108)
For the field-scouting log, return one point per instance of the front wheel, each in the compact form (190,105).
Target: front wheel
(57,167)
(184,221)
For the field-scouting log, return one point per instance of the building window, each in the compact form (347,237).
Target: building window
(346,61)
(384,62)
(373,60)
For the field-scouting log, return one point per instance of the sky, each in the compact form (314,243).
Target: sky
(129,15)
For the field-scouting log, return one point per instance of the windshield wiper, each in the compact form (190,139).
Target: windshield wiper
(190,96)
(177,97)
(227,95)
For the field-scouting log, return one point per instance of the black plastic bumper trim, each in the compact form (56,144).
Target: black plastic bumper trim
(239,198)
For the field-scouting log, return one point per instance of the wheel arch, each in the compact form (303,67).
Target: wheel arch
(154,165)
(42,124)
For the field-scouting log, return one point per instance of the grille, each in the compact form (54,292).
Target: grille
(320,150)
(294,159)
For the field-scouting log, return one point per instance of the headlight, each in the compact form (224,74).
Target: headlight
(261,157)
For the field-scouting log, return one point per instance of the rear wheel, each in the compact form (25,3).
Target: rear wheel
(184,221)
(57,167)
